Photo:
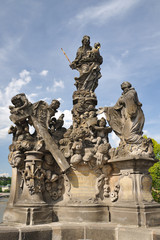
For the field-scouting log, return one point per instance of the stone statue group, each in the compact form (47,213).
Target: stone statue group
(86,142)
(126,117)
(50,165)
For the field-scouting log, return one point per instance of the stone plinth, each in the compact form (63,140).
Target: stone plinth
(26,206)
(28,215)
(79,214)
(135,205)
(78,231)
(80,204)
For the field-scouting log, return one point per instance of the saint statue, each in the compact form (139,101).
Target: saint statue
(87,62)
(126,117)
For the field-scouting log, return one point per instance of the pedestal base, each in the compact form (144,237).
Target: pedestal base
(134,204)
(81,231)
(81,213)
(130,214)
(28,215)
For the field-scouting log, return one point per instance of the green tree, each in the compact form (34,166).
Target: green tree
(156,147)
(155,171)
(6,191)
(5,180)
(155,174)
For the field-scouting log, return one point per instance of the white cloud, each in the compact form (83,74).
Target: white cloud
(14,86)
(125,53)
(9,47)
(101,13)
(59,84)
(101,115)
(46,99)
(4,122)
(114,69)
(145,132)
(154,35)
(114,140)
(39,87)
(32,96)
(155,136)
(60,100)
(56,84)
(150,48)
(67,117)
(4,132)
(24,74)
(4,174)
(44,73)
(11,90)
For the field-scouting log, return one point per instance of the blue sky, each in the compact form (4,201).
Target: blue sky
(31,61)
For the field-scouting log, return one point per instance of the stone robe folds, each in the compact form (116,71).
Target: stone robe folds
(126,118)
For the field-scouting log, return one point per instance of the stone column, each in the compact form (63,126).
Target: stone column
(32,180)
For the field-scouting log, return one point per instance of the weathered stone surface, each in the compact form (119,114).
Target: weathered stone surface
(83,182)
(130,213)
(9,234)
(77,213)
(28,215)
(36,234)
(72,232)
(156,234)
(98,232)
(78,231)
(134,234)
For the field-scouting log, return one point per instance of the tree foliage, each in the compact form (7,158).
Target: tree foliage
(155,171)
(5,180)
(156,147)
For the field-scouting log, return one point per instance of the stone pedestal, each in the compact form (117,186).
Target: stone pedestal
(79,203)
(81,214)
(28,215)
(28,207)
(78,231)
(135,205)
(130,201)
(32,180)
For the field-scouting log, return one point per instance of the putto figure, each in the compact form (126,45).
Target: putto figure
(87,62)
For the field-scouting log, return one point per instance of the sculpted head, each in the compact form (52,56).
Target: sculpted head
(102,122)
(55,104)
(126,85)
(49,159)
(97,45)
(19,100)
(86,40)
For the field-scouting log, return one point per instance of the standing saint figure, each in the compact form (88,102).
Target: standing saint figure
(87,62)
(126,117)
